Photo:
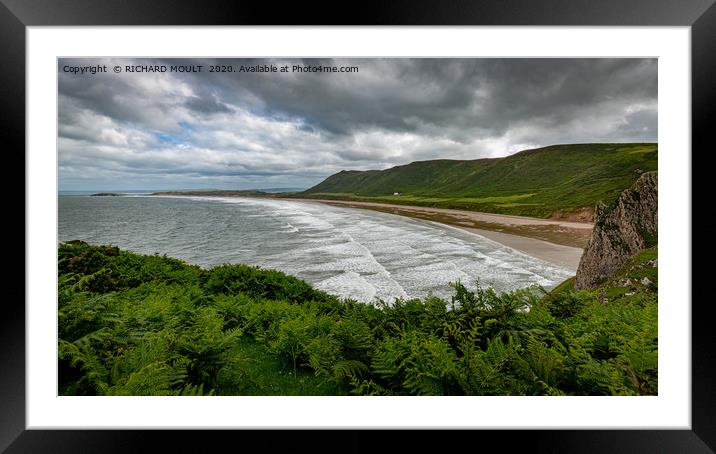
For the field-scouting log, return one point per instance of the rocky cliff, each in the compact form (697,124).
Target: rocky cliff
(620,231)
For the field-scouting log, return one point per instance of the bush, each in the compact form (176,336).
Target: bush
(257,283)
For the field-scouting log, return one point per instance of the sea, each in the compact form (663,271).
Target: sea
(364,255)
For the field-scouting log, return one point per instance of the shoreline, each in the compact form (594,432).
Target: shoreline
(558,254)
(565,237)
(475,215)
(558,242)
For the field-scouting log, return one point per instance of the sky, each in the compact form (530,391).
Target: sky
(137,129)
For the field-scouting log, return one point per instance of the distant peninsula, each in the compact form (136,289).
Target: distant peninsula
(220,193)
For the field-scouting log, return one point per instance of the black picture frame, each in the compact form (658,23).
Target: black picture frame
(16,15)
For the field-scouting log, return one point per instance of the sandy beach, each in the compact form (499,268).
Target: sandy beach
(559,254)
(558,242)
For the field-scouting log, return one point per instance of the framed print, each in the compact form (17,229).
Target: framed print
(416,217)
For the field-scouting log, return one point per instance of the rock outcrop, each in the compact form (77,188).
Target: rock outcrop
(620,231)
(578,215)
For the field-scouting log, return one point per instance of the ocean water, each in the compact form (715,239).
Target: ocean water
(352,253)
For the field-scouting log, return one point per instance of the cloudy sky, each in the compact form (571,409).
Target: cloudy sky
(172,130)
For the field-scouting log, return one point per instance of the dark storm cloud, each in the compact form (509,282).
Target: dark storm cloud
(410,94)
(231,128)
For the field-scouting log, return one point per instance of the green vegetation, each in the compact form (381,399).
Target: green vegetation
(152,325)
(538,182)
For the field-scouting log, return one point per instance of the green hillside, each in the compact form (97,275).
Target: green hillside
(535,182)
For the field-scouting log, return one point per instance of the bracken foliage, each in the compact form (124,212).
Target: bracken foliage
(152,325)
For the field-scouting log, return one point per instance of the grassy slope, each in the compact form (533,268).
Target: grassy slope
(151,325)
(533,182)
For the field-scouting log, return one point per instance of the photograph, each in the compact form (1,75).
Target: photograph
(357,226)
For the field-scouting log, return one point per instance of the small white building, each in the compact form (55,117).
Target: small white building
(396,193)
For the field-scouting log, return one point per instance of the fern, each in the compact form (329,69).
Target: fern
(195,390)
(349,369)
(156,326)
(154,379)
